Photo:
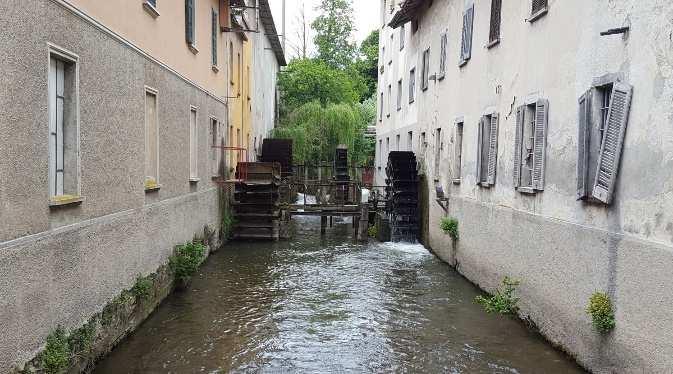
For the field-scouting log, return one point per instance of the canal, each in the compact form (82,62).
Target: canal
(324,304)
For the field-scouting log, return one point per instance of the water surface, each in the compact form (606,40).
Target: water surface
(330,306)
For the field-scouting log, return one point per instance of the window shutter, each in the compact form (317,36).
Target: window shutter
(493,150)
(214,32)
(494,34)
(613,138)
(442,56)
(540,143)
(518,139)
(468,19)
(463,38)
(189,21)
(480,141)
(583,145)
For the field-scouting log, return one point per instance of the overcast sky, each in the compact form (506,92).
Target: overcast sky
(366,20)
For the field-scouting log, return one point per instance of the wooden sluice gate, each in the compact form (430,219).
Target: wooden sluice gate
(257,211)
(402,196)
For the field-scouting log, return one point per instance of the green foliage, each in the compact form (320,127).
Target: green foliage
(142,288)
(81,340)
(503,301)
(56,355)
(367,65)
(450,227)
(373,231)
(308,80)
(186,260)
(333,29)
(600,310)
(228,222)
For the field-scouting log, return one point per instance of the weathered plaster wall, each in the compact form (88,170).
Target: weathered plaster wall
(60,266)
(562,249)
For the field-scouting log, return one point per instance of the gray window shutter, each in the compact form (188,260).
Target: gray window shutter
(518,140)
(583,145)
(442,56)
(480,141)
(189,21)
(214,36)
(469,18)
(540,143)
(613,139)
(493,150)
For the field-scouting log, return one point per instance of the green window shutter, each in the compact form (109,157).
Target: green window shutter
(214,36)
(613,139)
(540,143)
(480,141)
(493,150)
(518,140)
(583,145)
(189,21)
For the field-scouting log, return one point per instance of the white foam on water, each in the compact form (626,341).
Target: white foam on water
(410,248)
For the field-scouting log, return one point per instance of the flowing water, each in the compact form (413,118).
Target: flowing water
(325,305)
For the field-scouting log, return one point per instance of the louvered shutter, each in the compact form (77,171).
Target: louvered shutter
(583,144)
(213,37)
(518,139)
(540,143)
(613,138)
(469,18)
(480,142)
(442,56)
(493,150)
(189,21)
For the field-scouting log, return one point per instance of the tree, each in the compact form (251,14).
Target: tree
(368,62)
(333,30)
(309,80)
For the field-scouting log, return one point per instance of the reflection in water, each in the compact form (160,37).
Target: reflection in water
(328,305)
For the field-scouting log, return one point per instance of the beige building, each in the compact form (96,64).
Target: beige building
(110,112)
(547,125)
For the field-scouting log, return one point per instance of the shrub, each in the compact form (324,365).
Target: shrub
(142,288)
(81,340)
(186,260)
(600,310)
(450,227)
(372,231)
(503,301)
(56,355)
(227,225)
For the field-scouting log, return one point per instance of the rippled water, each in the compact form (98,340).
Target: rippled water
(328,305)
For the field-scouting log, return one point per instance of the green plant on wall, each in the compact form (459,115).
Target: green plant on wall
(372,231)
(503,300)
(450,227)
(142,288)
(600,310)
(186,260)
(80,341)
(56,355)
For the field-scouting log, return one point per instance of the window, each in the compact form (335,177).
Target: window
(383,56)
(193,146)
(603,118)
(494,33)
(410,141)
(231,63)
(239,70)
(442,56)
(530,143)
(150,7)
(390,101)
(422,144)
(189,25)
(380,152)
(214,150)
(392,44)
(412,85)
(151,140)
(426,69)
(214,31)
(466,43)
(439,145)
(538,9)
(63,87)
(458,152)
(397,142)
(402,37)
(487,155)
(399,95)
(381,108)
(152,2)
(387,147)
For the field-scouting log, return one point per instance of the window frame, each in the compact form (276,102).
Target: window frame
(194,145)
(494,34)
(443,46)
(491,158)
(459,124)
(425,70)
(150,7)
(412,85)
(399,94)
(467,37)
(154,92)
(402,37)
(66,56)
(214,39)
(214,123)
(190,35)
(539,13)
(532,119)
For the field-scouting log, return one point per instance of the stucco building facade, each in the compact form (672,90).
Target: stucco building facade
(553,145)
(110,111)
